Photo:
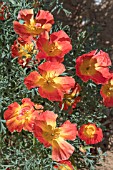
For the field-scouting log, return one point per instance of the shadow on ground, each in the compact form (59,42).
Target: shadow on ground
(84,13)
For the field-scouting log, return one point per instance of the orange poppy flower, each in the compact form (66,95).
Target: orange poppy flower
(33,26)
(51,86)
(71,98)
(22,116)
(90,133)
(46,132)
(24,49)
(53,48)
(107,92)
(64,165)
(93,66)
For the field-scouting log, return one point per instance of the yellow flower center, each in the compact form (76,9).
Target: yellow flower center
(26,50)
(47,82)
(51,134)
(53,49)
(89,131)
(88,67)
(69,99)
(24,114)
(64,167)
(32,28)
(108,89)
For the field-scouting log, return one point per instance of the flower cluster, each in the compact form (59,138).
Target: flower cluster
(95,66)
(35,38)
(31,117)
(33,26)
(35,44)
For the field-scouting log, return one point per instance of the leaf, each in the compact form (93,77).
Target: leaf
(12,1)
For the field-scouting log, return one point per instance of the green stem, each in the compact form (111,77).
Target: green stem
(34,141)
(73,162)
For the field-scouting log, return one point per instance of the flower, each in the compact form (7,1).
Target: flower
(51,86)
(53,48)
(93,66)
(64,165)
(22,116)
(106,92)
(90,133)
(23,49)
(4,14)
(33,27)
(71,98)
(46,132)
(1,11)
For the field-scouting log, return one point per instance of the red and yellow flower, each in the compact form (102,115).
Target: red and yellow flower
(90,133)
(22,116)
(93,66)
(53,48)
(46,132)
(23,49)
(71,98)
(64,165)
(33,26)
(107,92)
(51,85)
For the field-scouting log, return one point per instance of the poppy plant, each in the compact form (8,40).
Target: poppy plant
(107,92)
(22,116)
(4,14)
(64,165)
(1,11)
(90,133)
(93,66)
(23,49)
(33,26)
(46,132)
(71,98)
(51,85)
(53,48)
